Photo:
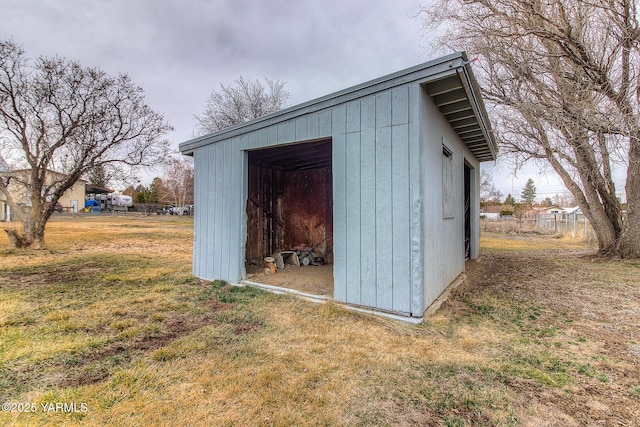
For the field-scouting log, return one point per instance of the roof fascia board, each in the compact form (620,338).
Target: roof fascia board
(473,90)
(423,73)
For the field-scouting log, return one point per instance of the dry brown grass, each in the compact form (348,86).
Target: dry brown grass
(144,343)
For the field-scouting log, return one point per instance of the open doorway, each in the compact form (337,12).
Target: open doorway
(467,212)
(290,216)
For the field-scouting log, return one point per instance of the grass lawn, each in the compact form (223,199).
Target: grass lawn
(108,327)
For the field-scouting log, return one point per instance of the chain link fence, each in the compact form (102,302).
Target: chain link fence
(573,225)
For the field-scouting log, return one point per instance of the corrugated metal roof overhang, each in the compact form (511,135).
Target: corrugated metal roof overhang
(448,80)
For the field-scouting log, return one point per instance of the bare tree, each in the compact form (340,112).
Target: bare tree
(177,183)
(488,191)
(98,176)
(561,79)
(59,121)
(238,103)
(564,200)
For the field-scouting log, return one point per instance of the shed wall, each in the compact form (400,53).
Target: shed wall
(393,250)
(375,198)
(443,234)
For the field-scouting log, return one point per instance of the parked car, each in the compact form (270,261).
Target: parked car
(58,207)
(167,209)
(183,210)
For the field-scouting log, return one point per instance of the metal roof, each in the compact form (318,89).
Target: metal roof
(448,80)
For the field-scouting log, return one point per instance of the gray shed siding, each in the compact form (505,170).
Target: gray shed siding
(393,248)
(443,237)
(371,198)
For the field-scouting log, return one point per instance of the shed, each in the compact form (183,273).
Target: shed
(385,175)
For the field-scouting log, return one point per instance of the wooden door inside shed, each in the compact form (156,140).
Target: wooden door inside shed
(290,200)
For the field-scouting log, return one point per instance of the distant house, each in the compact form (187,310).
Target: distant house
(564,213)
(382,177)
(491,216)
(554,210)
(72,200)
(493,212)
(573,211)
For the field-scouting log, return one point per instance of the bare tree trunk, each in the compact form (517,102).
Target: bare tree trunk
(33,228)
(17,239)
(589,204)
(628,244)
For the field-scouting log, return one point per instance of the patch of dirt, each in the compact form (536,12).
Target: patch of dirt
(245,328)
(312,279)
(173,328)
(593,307)
(73,370)
(45,275)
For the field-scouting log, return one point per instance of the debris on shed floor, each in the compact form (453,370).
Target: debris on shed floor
(312,279)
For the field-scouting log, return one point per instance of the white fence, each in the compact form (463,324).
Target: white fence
(563,223)
(574,225)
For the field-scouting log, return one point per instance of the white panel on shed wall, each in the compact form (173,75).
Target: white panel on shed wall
(197,166)
(209,208)
(216,207)
(253,140)
(272,135)
(312,126)
(324,123)
(383,109)
(244,180)
(339,120)
(237,191)
(384,219)
(301,129)
(200,158)
(262,138)
(227,243)
(353,217)
(203,216)
(431,132)
(244,141)
(400,105)
(368,216)
(417,244)
(401,219)
(339,160)
(340,200)
(368,113)
(286,132)
(353,116)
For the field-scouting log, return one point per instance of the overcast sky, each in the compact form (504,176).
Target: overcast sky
(179,51)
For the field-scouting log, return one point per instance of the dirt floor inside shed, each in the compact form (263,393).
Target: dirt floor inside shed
(311,279)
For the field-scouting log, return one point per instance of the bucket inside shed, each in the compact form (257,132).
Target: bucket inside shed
(290,214)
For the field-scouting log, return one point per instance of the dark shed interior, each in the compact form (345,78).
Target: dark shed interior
(290,201)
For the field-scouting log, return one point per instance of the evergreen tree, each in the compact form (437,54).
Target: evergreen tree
(509,200)
(528,192)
